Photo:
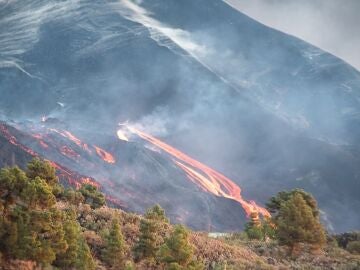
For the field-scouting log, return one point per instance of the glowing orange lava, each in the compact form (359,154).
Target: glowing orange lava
(206,178)
(73,138)
(13,140)
(40,140)
(106,156)
(67,151)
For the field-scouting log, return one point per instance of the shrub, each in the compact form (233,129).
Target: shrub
(354,247)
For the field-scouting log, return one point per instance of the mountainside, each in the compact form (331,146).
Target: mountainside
(265,109)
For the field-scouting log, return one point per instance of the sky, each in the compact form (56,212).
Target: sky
(332,25)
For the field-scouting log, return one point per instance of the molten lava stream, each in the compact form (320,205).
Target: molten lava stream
(106,156)
(205,177)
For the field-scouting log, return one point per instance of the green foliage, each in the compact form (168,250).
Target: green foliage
(150,239)
(34,235)
(156,213)
(85,260)
(275,203)
(297,222)
(12,183)
(72,196)
(344,238)
(42,169)
(296,218)
(113,252)
(92,196)
(253,228)
(148,242)
(254,233)
(257,229)
(38,194)
(129,266)
(354,247)
(177,252)
(31,227)
(68,258)
(77,255)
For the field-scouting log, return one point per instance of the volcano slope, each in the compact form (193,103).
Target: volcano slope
(265,109)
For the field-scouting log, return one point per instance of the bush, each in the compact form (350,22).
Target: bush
(345,238)
(353,247)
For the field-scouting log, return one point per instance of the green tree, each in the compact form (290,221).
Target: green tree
(85,260)
(150,238)
(77,255)
(12,183)
(177,252)
(42,169)
(35,235)
(298,222)
(68,259)
(38,194)
(92,196)
(72,196)
(274,204)
(156,213)
(148,242)
(32,228)
(114,250)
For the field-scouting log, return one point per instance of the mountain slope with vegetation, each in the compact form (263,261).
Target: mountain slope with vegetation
(44,225)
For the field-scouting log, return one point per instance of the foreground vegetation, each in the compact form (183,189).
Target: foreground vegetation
(46,226)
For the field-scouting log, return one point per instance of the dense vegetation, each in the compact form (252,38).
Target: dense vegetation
(44,225)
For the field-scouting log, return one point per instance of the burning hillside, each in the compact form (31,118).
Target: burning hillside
(201,175)
(136,177)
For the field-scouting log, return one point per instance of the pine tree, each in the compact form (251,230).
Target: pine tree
(72,196)
(148,244)
(150,237)
(12,183)
(42,169)
(33,228)
(84,261)
(156,213)
(177,252)
(113,253)
(38,194)
(92,196)
(68,259)
(275,203)
(297,223)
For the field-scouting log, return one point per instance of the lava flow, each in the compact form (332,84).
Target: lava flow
(206,178)
(73,138)
(104,155)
